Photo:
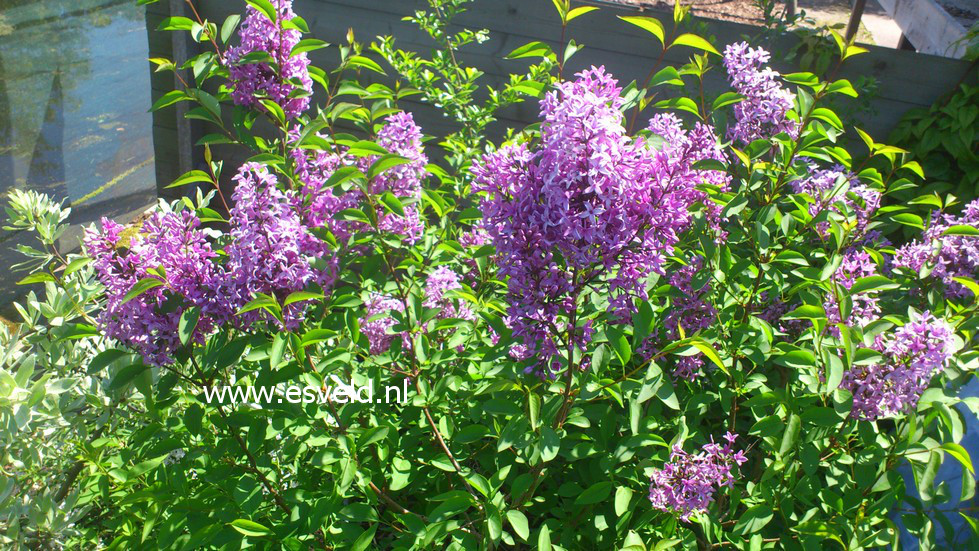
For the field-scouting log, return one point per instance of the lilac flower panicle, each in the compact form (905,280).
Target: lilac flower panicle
(269,250)
(911,356)
(589,194)
(399,135)
(686,484)
(377,321)
(856,263)
(947,256)
(859,198)
(290,85)
(170,243)
(682,150)
(764,111)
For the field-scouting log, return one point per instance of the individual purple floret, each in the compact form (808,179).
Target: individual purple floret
(912,355)
(286,81)
(268,252)
(606,204)
(764,111)
(686,484)
(947,256)
(173,245)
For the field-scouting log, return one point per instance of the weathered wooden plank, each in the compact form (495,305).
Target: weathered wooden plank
(928,26)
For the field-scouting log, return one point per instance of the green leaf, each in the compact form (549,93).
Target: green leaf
(666,75)
(695,41)
(392,203)
(301,296)
(77,264)
(104,358)
(314,336)
(969,284)
(531,49)
(872,283)
(176,24)
(385,162)
(308,45)
(820,416)
(709,351)
(188,324)
(791,434)
(229,26)
(265,7)
(960,229)
(596,493)
(623,496)
(364,540)
(682,103)
(648,24)
(725,99)
(248,527)
(40,277)
(544,539)
(550,444)
(579,11)
(519,523)
(141,287)
(373,435)
(366,63)
(170,98)
(959,453)
(908,219)
(754,519)
(806,311)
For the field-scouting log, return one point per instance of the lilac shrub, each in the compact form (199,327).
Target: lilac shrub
(550,331)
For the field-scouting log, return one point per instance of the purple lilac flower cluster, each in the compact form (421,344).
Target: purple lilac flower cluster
(377,322)
(912,355)
(172,245)
(268,252)
(692,311)
(399,135)
(947,256)
(600,200)
(764,111)
(287,82)
(856,263)
(682,150)
(821,184)
(687,482)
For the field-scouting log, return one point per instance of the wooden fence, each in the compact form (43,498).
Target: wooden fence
(905,80)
